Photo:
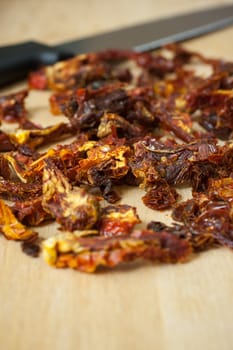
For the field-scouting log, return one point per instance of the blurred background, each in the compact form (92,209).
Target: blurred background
(53,21)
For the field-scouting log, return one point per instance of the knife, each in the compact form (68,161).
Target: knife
(16,61)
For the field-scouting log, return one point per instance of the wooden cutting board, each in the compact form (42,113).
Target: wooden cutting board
(186,306)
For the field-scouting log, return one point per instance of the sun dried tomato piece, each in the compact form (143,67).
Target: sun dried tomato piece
(12,190)
(12,106)
(199,241)
(90,105)
(157,226)
(221,188)
(66,158)
(187,211)
(155,64)
(87,254)
(172,91)
(10,227)
(117,220)
(215,111)
(204,214)
(225,238)
(5,143)
(38,137)
(38,79)
(74,209)
(31,212)
(209,215)
(111,123)
(5,170)
(161,196)
(200,173)
(87,107)
(14,167)
(32,247)
(103,164)
(154,160)
(75,72)
(183,56)
(180,123)
(59,100)
(27,124)
(109,193)
(92,69)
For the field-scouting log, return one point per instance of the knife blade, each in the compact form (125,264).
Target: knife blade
(17,60)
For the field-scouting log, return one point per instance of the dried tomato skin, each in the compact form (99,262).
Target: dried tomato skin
(11,228)
(90,110)
(5,143)
(113,123)
(154,161)
(34,138)
(156,226)
(32,247)
(117,220)
(199,241)
(38,80)
(87,254)
(59,100)
(12,106)
(185,211)
(200,174)
(208,216)
(31,212)
(179,123)
(104,165)
(73,209)
(80,71)
(109,194)
(161,196)
(216,111)
(19,191)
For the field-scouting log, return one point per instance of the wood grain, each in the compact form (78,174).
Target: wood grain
(186,306)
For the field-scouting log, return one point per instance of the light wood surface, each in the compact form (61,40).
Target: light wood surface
(188,306)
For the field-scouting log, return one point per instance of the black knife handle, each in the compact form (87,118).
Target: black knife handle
(17,60)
